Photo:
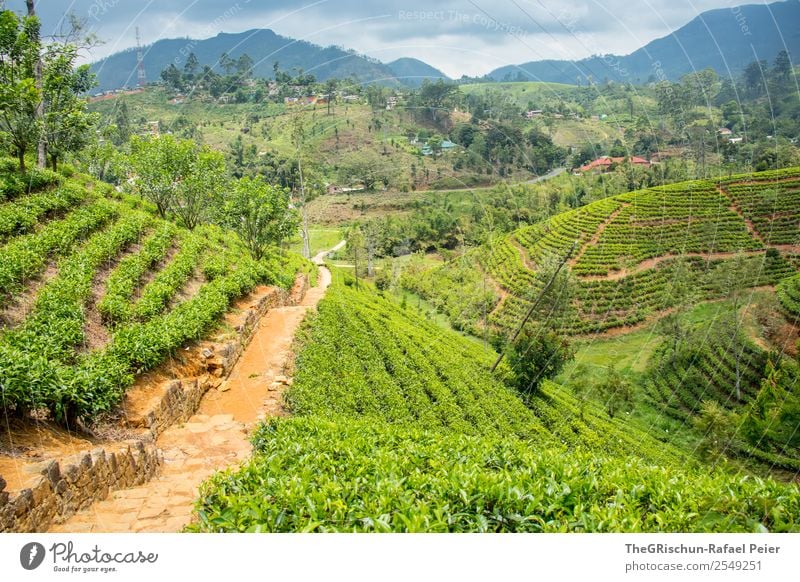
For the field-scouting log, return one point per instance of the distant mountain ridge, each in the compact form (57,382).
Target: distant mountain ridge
(414,72)
(263,45)
(725,39)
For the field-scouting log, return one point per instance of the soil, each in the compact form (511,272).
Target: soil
(20,305)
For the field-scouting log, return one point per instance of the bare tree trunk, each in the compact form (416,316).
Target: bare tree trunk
(41,160)
(303,213)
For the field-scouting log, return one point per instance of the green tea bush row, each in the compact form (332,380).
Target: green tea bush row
(116,305)
(20,216)
(26,256)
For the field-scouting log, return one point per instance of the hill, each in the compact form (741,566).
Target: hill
(411,432)
(413,72)
(264,47)
(95,290)
(642,258)
(726,39)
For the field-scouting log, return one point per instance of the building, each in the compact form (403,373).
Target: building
(724,131)
(533,113)
(603,163)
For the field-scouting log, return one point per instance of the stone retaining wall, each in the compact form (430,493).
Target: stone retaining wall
(75,484)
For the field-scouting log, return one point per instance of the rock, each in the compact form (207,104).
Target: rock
(224,387)
(207,353)
(218,372)
(274,387)
(72,473)
(86,461)
(2,483)
(281,379)
(61,486)
(52,471)
(23,502)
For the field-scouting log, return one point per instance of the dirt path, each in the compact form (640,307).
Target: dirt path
(214,438)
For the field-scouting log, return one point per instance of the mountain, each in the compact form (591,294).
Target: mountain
(413,72)
(262,45)
(726,39)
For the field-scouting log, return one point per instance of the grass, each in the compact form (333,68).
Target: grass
(320,239)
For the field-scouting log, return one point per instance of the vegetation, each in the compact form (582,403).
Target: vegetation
(370,450)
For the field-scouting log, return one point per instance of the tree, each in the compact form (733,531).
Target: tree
(783,65)
(198,196)
(19,95)
(718,427)
(190,67)
(172,77)
(373,236)
(122,123)
(364,167)
(736,275)
(298,140)
(236,153)
(684,289)
(354,238)
(330,89)
(437,96)
(66,122)
(617,392)
(538,353)
(260,214)
(159,164)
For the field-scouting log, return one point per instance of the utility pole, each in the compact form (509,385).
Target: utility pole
(536,303)
(141,77)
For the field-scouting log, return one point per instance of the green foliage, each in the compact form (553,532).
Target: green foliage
(345,475)
(157,294)
(20,45)
(397,367)
(260,214)
(26,256)
(23,215)
(616,391)
(116,306)
(179,176)
(539,353)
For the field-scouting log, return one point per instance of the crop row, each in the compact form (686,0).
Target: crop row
(56,325)
(396,366)
(97,381)
(157,294)
(116,305)
(788,292)
(26,256)
(13,184)
(20,216)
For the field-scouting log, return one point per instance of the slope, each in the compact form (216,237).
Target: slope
(400,426)
(95,289)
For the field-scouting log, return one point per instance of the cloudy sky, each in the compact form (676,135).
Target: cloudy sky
(458,36)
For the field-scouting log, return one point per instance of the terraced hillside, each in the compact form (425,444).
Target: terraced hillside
(399,426)
(632,251)
(95,289)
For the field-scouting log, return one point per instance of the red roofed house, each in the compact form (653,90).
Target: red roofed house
(603,163)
